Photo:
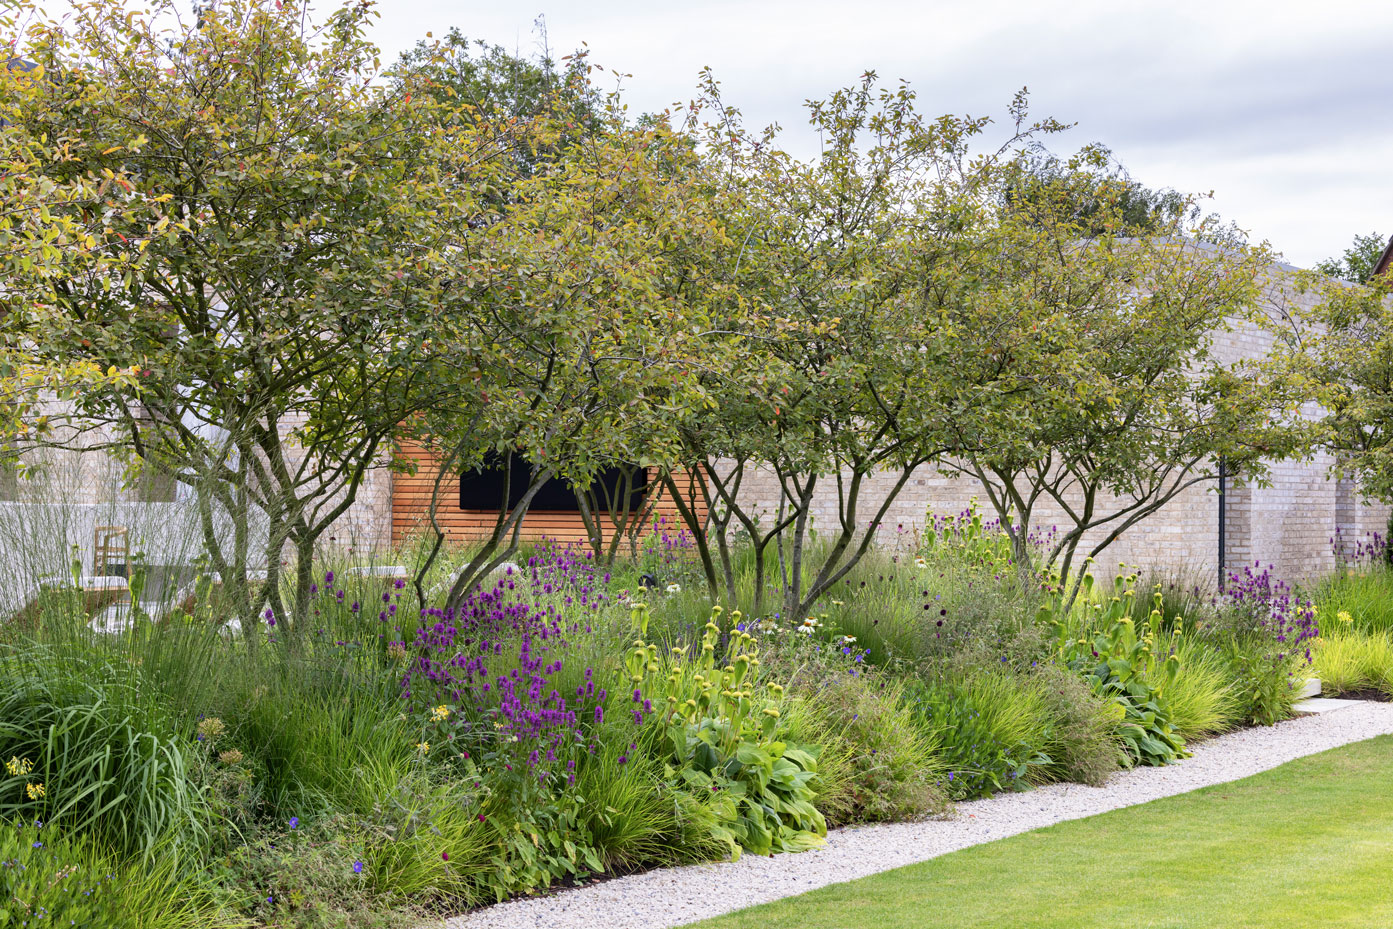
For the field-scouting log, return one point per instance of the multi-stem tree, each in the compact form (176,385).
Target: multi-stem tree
(39,243)
(1112,399)
(303,225)
(854,275)
(1345,345)
(590,342)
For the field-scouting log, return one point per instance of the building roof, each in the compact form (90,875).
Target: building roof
(1385,260)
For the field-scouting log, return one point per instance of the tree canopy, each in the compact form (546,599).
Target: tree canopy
(1358,262)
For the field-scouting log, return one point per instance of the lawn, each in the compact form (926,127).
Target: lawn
(1307,844)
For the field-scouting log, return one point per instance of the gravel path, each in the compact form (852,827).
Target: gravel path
(675,896)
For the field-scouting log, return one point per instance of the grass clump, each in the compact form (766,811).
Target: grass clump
(1352,661)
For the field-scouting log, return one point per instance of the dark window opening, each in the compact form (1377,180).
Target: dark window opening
(483,489)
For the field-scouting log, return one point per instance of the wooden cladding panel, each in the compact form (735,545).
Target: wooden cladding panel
(411,494)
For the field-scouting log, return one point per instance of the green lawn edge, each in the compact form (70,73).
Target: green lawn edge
(1306,844)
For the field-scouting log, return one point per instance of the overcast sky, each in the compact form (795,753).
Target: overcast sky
(1284,110)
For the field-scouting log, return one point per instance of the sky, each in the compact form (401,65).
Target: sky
(1283,110)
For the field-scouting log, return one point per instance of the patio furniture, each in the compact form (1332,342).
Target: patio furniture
(111,548)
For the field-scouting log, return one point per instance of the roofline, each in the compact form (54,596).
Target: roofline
(1385,260)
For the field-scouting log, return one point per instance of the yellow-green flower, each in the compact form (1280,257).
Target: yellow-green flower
(18,767)
(211,729)
(423,747)
(231,756)
(440,713)
(1344,617)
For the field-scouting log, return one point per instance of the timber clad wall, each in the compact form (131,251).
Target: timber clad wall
(411,495)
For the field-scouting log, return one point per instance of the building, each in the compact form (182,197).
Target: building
(1290,524)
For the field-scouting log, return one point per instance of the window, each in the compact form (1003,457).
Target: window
(483,489)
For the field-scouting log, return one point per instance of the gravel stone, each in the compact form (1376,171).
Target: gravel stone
(677,896)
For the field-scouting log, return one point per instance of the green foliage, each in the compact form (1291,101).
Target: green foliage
(1366,595)
(50,876)
(1203,697)
(876,764)
(986,729)
(1344,345)
(1004,730)
(1265,684)
(1078,727)
(1348,660)
(311,877)
(1124,402)
(1132,667)
(111,762)
(948,606)
(1358,262)
(1101,198)
(724,736)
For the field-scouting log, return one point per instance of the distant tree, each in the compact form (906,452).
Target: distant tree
(487,83)
(1100,193)
(1357,264)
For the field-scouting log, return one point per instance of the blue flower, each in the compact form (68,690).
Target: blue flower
(357,867)
(294,822)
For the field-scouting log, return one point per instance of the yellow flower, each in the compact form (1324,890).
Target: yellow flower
(1344,617)
(440,713)
(423,747)
(35,791)
(18,767)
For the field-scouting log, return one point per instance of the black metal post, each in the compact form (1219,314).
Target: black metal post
(1223,507)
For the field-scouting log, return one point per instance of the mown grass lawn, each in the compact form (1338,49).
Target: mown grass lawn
(1309,844)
